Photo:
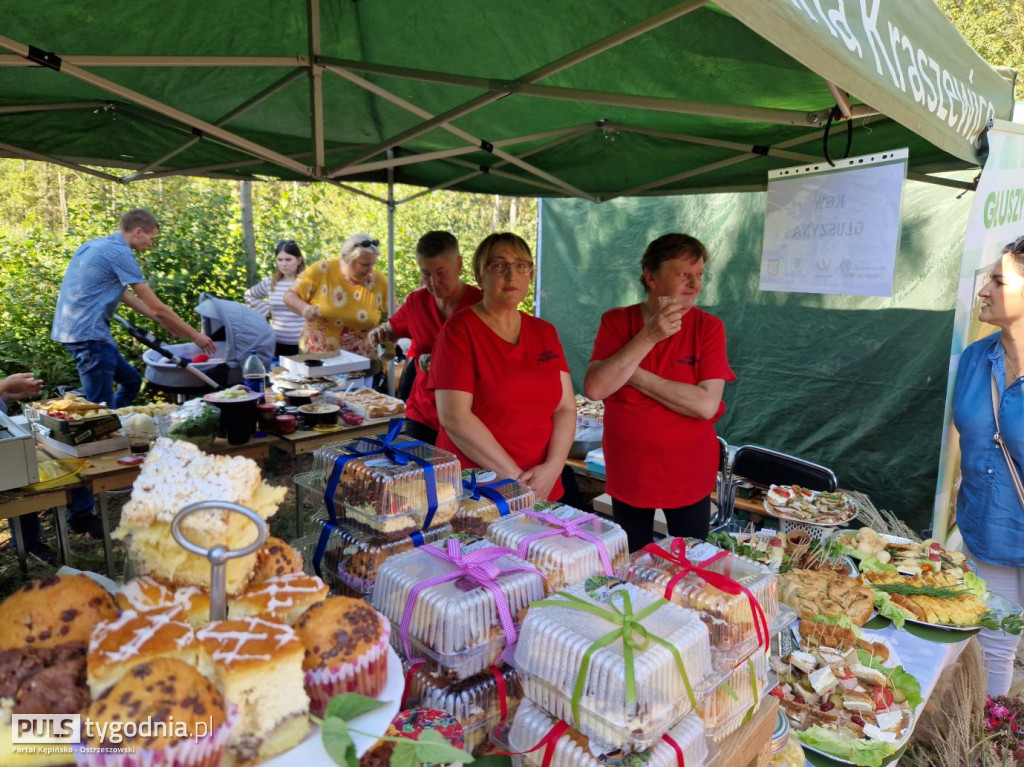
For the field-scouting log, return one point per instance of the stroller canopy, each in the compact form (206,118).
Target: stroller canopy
(243,329)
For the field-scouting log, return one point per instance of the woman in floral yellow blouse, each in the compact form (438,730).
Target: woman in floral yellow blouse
(341,299)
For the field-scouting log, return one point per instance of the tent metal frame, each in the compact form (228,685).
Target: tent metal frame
(367,159)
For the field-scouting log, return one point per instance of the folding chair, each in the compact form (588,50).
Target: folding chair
(762,467)
(723,515)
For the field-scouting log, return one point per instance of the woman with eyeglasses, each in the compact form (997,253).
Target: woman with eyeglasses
(989,512)
(267,297)
(504,397)
(341,300)
(661,366)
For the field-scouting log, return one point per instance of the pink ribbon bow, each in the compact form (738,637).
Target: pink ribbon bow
(479,566)
(570,528)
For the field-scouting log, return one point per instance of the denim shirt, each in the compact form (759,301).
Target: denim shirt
(988,511)
(92,287)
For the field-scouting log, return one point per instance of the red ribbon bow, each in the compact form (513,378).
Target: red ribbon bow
(724,583)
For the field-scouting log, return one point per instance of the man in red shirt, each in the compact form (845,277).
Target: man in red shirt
(660,366)
(420,318)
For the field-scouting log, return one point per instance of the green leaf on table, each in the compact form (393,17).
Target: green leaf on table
(405,755)
(874,564)
(889,609)
(975,585)
(350,705)
(1012,624)
(830,619)
(432,747)
(338,742)
(866,753)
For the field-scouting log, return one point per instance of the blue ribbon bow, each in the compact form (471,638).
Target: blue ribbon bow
(395,452)
(488,491)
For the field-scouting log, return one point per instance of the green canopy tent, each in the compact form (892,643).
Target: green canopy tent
(538,97)
(552,98)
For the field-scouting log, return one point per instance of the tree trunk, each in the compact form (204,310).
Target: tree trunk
(513,212)
(62,191)
(248,234)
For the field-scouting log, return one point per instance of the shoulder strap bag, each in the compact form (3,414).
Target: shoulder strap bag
(1014,475)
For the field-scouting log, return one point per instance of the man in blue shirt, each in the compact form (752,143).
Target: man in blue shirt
(103,274)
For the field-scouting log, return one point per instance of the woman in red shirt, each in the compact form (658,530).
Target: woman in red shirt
(504,396)
(660,366)
(420,318)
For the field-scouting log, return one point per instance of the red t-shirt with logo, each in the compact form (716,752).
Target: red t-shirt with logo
(515,387)
(419,319)
(655,457)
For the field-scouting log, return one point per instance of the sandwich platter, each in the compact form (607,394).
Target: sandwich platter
(884,713)
(809,507)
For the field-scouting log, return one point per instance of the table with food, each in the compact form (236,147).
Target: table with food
(434,612)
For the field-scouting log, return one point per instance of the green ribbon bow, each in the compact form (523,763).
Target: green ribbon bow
(628,628)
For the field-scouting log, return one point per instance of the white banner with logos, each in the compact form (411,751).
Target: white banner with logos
(997,218)
(834,230)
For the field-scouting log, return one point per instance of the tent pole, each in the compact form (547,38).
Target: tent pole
(588,51)
(242,109)
(953,183)
(441,122)
(710,142)
(680,176)
(17,60)
(175,114)
(494,170)
(29,155)
(232,165)
(316,88)
(413,159)
(842,100)
(27,108)
(391,262)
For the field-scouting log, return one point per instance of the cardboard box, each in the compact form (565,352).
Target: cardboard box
(325,363)
(104,445)
(18,463)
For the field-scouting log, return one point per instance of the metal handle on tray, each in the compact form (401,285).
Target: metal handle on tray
(218,555)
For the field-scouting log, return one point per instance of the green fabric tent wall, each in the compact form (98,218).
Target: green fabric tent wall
(855,383)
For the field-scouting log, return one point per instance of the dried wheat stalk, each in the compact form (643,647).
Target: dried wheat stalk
(881,521)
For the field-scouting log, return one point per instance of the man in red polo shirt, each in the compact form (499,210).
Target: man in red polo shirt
(420,318)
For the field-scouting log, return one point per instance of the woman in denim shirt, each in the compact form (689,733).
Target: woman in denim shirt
(989,513)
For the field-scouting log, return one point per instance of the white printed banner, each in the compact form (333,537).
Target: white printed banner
(834,230)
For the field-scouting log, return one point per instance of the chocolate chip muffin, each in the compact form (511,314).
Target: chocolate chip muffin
(346,644)
(53,611)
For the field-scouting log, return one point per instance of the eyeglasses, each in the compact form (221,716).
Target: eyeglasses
(368,243)
(503,267)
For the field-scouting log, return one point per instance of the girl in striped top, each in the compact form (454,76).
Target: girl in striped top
(267,297)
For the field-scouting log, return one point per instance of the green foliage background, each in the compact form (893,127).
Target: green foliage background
(47,212)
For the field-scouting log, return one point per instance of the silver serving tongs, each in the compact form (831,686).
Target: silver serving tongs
(218,555)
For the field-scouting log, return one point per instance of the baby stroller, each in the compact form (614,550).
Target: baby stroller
(234,328)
